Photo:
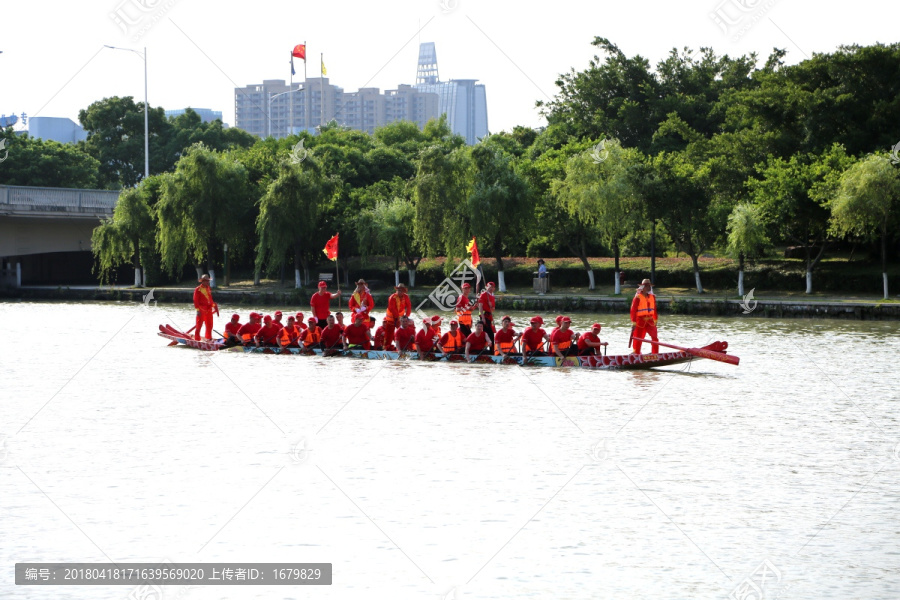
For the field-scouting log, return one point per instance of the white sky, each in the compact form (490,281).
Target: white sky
(199,51)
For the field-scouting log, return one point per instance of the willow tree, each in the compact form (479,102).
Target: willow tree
(203,204)
(289,216)
(867,204)
(441,186)
(498,203)
(388,229)
(746,236)
(117,240)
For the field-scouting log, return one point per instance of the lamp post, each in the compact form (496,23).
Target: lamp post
(269,114)
(146,115)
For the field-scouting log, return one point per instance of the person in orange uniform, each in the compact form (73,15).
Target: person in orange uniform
(331,334)
(644,317)
(289,336)
(589,341)
(534,337)
(249,329)
(453,342)
(398,306)
(361,302)
(268,333)
(378,340)
(358,334)
(405,336)
(427,339)
(464,307)
(231,330)
(277,320)
(561,340)
(477,341)
(203,302)
(321,303)
(486,305)
(312,335)
(505,339)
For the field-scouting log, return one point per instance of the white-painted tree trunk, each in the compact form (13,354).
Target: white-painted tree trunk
(144,277)
(298,283)
(212,278)
(199,272)
(137,277)
(255,277)
(412,277)
(501,282)
(809,282)
(618,283)
(591,279)
(740,283)
(18,274)
(884,276)
(396,278)
(697,279)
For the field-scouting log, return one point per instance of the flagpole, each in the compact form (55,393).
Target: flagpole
(291,89)
(305,91)
(322,79)
(337,272)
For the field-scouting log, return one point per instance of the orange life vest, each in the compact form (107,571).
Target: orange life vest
(646,307)
(504,347)
(288,336)
(313,337)
(455,343)
(464,316)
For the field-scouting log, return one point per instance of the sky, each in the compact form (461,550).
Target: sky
(53,62)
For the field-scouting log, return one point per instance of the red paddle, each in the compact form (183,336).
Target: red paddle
(700,352)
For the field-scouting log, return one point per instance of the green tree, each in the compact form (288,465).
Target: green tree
(204,203)
(119,239)
(290,216)
(867,204)
(441,188)
(746,236)
(389,229)
(36,162)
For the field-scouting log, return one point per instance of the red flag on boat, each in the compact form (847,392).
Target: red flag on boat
(331,248)
(473,248)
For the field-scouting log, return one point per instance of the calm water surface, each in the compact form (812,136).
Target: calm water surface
(454,481)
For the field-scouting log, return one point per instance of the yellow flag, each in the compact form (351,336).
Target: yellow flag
(324,70)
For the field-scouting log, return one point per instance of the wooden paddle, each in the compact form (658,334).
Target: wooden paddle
(700,352)
(186,333)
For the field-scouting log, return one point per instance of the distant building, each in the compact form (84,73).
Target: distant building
(60,129)
(364,109)
(462,100)
(207,115)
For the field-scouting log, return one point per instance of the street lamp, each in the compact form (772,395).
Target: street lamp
(269,114)
(146,117)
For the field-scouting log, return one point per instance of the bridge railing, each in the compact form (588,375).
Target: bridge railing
(57,199)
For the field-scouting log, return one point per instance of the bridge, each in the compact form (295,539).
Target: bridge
(45,233)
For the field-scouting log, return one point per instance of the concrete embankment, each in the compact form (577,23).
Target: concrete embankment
(550,303)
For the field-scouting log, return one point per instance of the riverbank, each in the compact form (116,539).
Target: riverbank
(674,301)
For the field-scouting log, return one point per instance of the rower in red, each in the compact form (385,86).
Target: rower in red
(534,337)
(505,339)
(321,303)
(477,341)
(405,335)
(248,330)
(268,333)
(589,341)
(358,333)
(378,340)
(644,317)
(231,330)
(331,335)
(561,340)
(203,302)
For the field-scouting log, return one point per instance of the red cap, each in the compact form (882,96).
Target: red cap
(358,316)
(466,285)
(235,317)
(268,319)
(322,284)
(312,320)
(454,322)
(291,318)
(299,316)
(565,320)
(491,283)
(596,326)
(507,318)
(278,312)
(559,319)
(254,315)
(537,319)
(436,319)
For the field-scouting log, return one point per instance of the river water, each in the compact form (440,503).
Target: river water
(455,481)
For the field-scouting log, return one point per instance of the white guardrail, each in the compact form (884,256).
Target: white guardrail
(57,199)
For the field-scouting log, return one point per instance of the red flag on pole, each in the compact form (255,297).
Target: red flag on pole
(473,248)
(331,248)
(299,51)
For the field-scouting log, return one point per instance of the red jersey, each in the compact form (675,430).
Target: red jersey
(203,300)
(321,304)
(487,302)
(590,336)
(232,327)
(425,339)
(503,340)
(404,337)
(250,329)
(477,342)
(532,341)
(268,334)
(379,338)
(562,338)
(331,336)
(357,335)
(278,324)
